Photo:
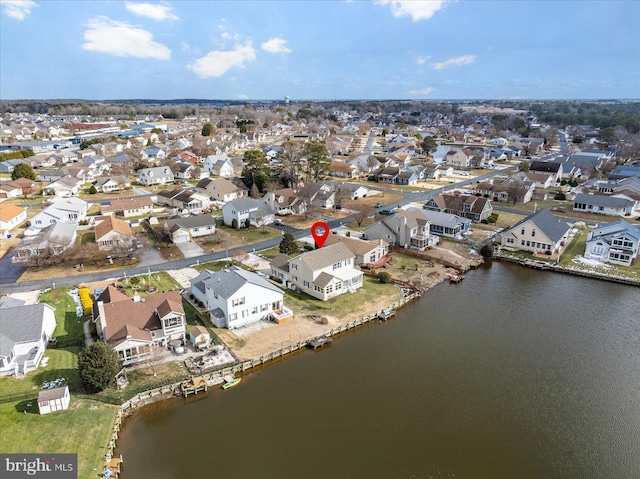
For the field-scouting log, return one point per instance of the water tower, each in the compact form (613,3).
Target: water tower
(286,100)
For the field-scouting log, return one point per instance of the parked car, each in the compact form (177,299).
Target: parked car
(387,212)
(278,222)
(379,204)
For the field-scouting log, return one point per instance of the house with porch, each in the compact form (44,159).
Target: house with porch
(617,243)
(364,250)
(52,240)
(25,333)
(219,165)
(71,211)
(185,200)
(540,233)
(466,206)
(109,184)
(446,224)
(283,201)
(322,273)
(406,229)
(235,298)
(133,326)
(239,211)
(221,189)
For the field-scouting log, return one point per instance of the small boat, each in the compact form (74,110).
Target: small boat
(455,278)
(231,383)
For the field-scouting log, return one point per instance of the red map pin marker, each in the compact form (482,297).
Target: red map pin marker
(320,232)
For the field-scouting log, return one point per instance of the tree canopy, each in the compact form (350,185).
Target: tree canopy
(288,245)
(318,159)
(98,365)
(22,170)
(428,144)
(207,129)
(256,169)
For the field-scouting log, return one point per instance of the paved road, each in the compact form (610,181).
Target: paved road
(408,197)
(9,273)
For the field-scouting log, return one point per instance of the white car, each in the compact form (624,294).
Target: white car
(278,222)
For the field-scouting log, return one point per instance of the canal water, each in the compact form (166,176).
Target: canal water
(513,373)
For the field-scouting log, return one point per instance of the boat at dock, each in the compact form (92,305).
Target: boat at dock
(455,278)
(231,382)
(386,314)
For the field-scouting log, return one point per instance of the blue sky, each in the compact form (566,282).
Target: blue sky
(325,49)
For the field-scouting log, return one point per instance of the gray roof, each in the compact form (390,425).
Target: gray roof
(439,218)
(602,200)
(191,222)
(323,257)
(615,229)
(228,281)
(553,228)
(20,324)
(281,262)
(9,302)
(52,394)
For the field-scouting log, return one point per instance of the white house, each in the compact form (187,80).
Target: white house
(24,334)
(159,175)
(71,211)
(219,165)
(54,399)
(322,273)
(616,242)
(235,297)
(604,205)
(11,216)
(256,211)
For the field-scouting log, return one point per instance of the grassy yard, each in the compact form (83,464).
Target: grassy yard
(68,324)
(344,304)
(161,281)
(85,428)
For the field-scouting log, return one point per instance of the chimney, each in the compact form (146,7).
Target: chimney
(136,297)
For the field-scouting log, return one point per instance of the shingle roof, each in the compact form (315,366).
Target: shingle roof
(602,200)
(9,211)
(111,223)
(227,282)
(553,228)
(323,257)
(20,324)
(52,394)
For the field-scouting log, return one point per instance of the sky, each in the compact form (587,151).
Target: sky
(320,49)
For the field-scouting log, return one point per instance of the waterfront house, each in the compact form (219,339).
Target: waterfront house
(364,251)
(322,273)
(616,243)
(25,333)
(446,224)
(182,230)
(466,206)
(54,399)
(540,233)
(407,229)
(235,297)
(604,205)
(133,326)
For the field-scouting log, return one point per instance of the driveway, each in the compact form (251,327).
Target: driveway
(9,273)
(149,255)
(191,249)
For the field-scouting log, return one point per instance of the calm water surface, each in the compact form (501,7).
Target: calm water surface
(513,373)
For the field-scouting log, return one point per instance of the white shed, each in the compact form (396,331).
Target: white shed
(55,399)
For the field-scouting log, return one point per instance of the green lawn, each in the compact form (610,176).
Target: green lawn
(213,266)
(63,363)
(85,428)
(575,248)
(162,281)
(68,324)
(345,303)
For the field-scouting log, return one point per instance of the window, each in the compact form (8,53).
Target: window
(533,233)
(295,278)
(522,231)
(233,316)
(336,266)
(254,310)
(264,307)
(237,302)
(294,266)
(598,250)
(510,240)
(522,242)
(306,284)
(528,243)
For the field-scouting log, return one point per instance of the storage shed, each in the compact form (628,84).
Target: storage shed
(55,399)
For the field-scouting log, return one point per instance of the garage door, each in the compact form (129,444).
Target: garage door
(182,239)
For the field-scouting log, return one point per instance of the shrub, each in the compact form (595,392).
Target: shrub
(93,190)
(276,279)
(85,300)
(247,223)
(309,247)
(98,365)
(560,196)
(384,277)
(234,224)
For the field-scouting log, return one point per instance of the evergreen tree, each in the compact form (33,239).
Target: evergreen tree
(288,245)
(98,365)
(207,129)
(318,159)
(428,144)
(22,170)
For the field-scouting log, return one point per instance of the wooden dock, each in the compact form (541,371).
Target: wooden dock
(193,386)
(112,467)
(319,342)
(386,314)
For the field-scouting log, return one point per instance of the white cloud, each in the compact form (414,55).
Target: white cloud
(219,62)
(455,62)
(424,59)
(424,91)
(184,46)
(157,11)
(416,9)
(242,96)
(18,9)
(275,45)
(122,40)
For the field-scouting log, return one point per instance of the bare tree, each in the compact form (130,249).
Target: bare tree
(362,212)
(516,189)
(153,357)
